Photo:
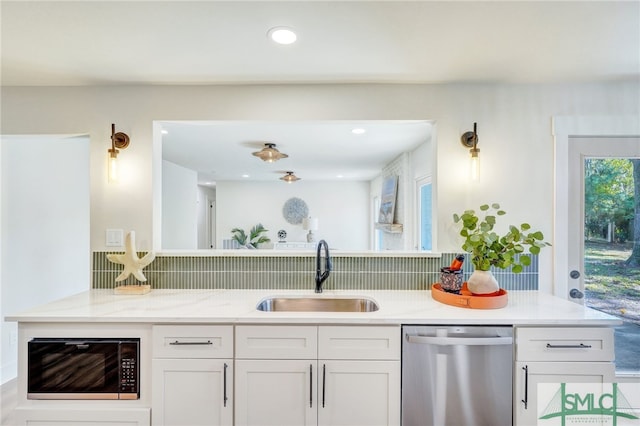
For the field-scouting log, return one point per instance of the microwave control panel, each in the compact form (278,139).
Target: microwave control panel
(129,368)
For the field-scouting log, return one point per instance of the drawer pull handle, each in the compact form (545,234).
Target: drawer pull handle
(580,346)
(178,343)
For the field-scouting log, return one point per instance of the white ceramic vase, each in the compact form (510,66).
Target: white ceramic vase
(482,282)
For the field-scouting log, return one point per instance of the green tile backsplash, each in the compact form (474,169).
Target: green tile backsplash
(297,272)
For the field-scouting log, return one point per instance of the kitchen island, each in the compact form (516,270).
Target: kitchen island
(238,350)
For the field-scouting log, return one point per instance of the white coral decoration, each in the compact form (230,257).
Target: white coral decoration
(132,263)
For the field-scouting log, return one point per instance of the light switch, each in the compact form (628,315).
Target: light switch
(115,238)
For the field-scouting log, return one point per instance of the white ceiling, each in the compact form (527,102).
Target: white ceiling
(204,42)
(317,150)
(61,43)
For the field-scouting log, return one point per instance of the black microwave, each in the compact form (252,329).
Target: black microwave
(83,368)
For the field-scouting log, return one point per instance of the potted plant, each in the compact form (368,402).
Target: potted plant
(486,248)
(252,240)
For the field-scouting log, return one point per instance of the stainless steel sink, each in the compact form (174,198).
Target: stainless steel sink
(318,304)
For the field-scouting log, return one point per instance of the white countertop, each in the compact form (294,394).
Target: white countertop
(239,306)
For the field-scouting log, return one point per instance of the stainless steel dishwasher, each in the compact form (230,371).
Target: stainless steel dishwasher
(457,375)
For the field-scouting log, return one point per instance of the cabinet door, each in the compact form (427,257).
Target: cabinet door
(528,375)
(276,392)
(359,393)
(193,392)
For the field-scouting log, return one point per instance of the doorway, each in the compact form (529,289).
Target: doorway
(593,193)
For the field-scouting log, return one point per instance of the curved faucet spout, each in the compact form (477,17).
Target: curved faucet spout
(321,276)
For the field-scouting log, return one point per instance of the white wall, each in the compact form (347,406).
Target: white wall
(179,207)
(514,125)
(343,222)
(45,227)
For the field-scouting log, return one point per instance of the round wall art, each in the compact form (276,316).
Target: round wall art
(294,210)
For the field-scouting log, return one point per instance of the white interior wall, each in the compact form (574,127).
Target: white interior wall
(343,222)
(420,164)
(514,125)
(179,207)
(45,227)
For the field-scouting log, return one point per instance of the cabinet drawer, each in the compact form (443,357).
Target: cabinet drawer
(192,341)
(276,342)
(564,344)
(361,343)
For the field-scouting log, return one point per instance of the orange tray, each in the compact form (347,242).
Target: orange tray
(466,299)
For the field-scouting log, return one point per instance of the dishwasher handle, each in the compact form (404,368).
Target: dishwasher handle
(465,341)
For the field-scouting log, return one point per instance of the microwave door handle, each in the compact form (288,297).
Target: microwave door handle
(78,345)
(465,341)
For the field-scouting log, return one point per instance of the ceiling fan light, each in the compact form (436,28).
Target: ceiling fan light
(269,153)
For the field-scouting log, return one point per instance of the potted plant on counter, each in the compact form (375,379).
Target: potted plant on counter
(486,248)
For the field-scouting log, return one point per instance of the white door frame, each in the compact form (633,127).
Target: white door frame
(562,129)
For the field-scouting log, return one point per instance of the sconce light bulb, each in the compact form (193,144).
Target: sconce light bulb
(475,165)
(113,166)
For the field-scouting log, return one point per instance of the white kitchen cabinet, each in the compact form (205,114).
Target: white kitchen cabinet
(557,355)
(192,375)
(276,392)
(326,375)
(359,392)
(529,374)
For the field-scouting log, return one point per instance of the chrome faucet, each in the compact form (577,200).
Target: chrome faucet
(322,276)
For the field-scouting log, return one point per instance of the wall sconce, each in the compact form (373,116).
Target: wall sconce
(470,140)
(310,224)
(118,141)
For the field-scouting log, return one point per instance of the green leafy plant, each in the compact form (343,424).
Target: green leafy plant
(256,235)
(239,236)
(487,248)
(252,240)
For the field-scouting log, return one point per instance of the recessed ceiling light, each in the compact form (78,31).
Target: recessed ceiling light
(282,35)
(245,176)
(164,132)
(339,176)
(358,131)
